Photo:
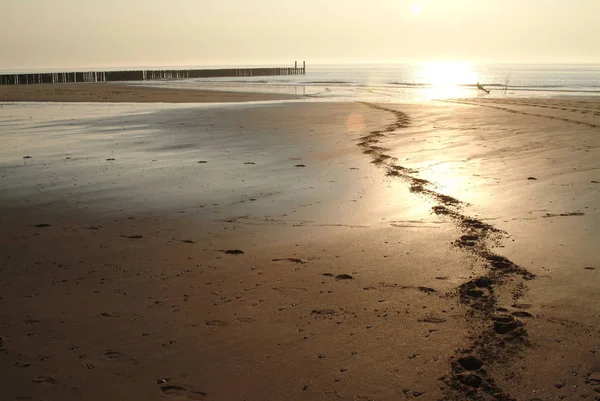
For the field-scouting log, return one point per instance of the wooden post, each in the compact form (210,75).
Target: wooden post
(143,75)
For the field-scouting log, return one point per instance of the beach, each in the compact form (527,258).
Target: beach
(279,247)
(120,93)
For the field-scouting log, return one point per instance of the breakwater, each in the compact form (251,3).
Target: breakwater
(146,75)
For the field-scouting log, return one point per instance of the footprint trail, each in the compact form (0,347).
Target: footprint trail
(497,336)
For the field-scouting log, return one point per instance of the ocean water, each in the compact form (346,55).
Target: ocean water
(405,81)
(415,81)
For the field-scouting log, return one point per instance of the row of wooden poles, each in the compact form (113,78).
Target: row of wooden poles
(145,75)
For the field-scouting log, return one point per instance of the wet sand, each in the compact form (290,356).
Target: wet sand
(121,93)
(445,250)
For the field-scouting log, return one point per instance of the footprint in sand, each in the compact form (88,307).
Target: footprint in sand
(521,314)
(110,354)
(44,380)
(245,320)
(594,379)
(470,380)
(339,276)
(216,323)
(293,260)
(434,320)
(470,362)
(503,324)
(182,392)
(426,290)
(232,251)
(23,365)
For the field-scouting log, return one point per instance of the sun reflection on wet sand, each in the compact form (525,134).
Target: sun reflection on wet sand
(446,92)
(448,177)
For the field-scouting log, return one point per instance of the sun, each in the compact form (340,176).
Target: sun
(416,9)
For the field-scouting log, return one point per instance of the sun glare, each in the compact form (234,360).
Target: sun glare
(416,9)
(447,79)
(448,73)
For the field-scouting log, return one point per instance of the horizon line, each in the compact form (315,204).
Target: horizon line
(282,65)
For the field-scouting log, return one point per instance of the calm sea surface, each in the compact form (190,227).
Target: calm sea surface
(415,81)
(409,81)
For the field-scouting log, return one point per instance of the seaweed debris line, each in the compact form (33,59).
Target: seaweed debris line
(490,300)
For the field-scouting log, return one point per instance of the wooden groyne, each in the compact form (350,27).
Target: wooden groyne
(146,75)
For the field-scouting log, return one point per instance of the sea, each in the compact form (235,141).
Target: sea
(428,80)
(414,81)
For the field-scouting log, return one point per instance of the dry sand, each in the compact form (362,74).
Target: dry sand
(121,93)
(301,251)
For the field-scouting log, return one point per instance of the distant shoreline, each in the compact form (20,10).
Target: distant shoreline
(120,93)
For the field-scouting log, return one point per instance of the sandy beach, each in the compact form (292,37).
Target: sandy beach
(121,93)
(297,250)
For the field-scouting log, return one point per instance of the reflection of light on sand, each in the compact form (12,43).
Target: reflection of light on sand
(445,92)
(355,122)
(448,177)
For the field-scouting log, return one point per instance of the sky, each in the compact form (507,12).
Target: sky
(71,34)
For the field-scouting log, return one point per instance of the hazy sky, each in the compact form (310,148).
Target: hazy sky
(39,34)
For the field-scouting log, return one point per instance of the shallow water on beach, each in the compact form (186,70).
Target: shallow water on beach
(213,160)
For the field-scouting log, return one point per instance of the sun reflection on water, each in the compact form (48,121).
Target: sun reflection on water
(447,79)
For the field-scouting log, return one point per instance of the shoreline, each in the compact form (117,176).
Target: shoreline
(224,92)
(123,93)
